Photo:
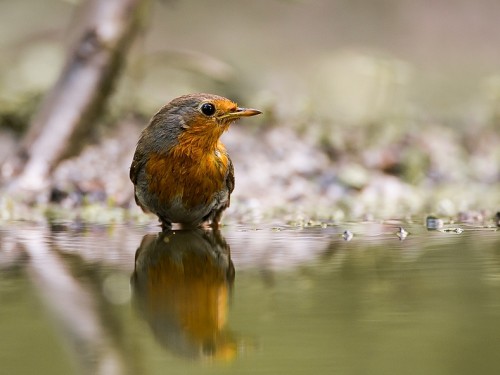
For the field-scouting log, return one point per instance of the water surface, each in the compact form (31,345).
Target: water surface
(126,300)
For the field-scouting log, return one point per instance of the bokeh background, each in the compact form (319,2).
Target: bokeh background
(371,108)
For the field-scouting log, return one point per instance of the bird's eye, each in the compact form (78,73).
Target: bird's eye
(208,109)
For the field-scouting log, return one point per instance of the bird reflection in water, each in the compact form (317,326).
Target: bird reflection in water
(181,282)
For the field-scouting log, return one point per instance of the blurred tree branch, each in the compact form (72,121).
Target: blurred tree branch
(68,111)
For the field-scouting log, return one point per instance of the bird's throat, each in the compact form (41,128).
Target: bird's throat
(196,140)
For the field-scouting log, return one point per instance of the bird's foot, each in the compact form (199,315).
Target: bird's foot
(165,226)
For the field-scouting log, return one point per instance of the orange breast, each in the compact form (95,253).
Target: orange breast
(194,176)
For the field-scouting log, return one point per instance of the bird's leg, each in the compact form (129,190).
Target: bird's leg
(165,224)
(215,224)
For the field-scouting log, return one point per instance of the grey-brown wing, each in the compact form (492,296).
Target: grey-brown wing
(230,179)
(215,215)
(137,164)
(135,168)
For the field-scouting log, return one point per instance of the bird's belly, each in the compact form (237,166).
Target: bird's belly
(184,192)
(177,212)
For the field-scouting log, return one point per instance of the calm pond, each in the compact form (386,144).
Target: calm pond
(263,300)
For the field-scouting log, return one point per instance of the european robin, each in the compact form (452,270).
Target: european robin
(181,171)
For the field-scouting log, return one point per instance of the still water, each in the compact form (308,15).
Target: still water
(260,300)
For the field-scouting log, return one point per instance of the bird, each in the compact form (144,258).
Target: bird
(181,170)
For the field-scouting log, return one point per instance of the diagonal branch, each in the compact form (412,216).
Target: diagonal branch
(77,99)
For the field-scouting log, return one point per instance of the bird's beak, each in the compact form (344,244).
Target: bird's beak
(240,112)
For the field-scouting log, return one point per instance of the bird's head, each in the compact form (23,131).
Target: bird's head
(196,118)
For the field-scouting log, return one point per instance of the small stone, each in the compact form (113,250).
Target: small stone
(347,235)
(402,233)
(433,223)
(452,230)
